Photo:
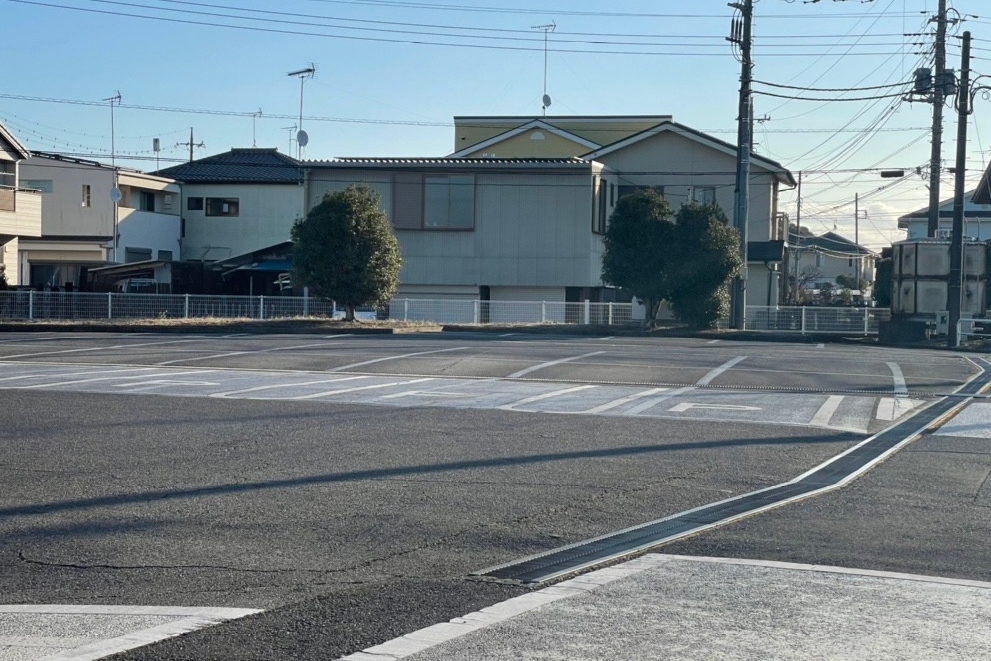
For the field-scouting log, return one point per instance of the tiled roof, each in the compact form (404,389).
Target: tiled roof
(253,165)
(454,162)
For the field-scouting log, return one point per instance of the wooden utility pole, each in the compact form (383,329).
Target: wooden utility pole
(743,36)
(955,288)
(938,96)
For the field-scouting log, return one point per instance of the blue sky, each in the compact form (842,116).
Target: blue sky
(385,88)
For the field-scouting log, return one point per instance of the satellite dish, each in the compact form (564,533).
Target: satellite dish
(115,195)
(547,100)
(302,138)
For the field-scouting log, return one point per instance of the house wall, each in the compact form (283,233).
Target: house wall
(532,229)
(9,257)
(25,219)
(63,211)
(535,143)
(265,217)
(148,231)
(979,228)
(600,130)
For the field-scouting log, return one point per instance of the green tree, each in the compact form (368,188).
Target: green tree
(706,254)
(637,248)
(3,277)
(346,251)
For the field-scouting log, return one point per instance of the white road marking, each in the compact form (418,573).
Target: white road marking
(425,393)
(901,389)
(546,395)
(251,351)
(687,406)
(508,334)
(341,391)
(534,368)
(892,408)
(116,346)
(611,337)
(141,386)
(820,346)
(400,357)
(826,411)
(713,341)
(176,621)
(232,393)
(623,400)
(651,403)
(711,376)
(43,375)
(57,384)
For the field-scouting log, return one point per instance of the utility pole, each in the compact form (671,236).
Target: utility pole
(955,288)
(856,234)
(938,96)
(742,35)
(798,233)
(190,144)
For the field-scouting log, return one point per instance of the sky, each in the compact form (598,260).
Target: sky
(392,74)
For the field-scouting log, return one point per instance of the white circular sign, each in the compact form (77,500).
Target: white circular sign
(115,195)
(302,138)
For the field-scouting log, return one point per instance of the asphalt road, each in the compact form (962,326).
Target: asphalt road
(355,517)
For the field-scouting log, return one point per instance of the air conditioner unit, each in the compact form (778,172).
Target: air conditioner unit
(944,234)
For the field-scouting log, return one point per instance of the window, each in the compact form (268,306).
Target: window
(194,204)
(599,200)
(147,201)
(8,176)
(86,195)
(612,195)
(704,194)
(44,185)
(448,202)
(137,254)
(165,255)
(167,203)
(222,206)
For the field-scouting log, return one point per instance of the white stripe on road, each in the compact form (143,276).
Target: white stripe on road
(711,376)
(651,403)
(820,346)
(713,341)
(400,357)
(892,408)
(901,389)
(534,368)
(251,351)
(49,373)
(116,346)
(546,395)
(340,391)
(233,393)
(826,411)
(56,384)
(623,400)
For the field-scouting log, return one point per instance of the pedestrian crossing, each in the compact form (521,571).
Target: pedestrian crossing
(855,412)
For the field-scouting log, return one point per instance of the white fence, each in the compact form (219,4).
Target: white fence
(816,320)
(35,305)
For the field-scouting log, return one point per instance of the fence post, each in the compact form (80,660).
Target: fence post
(543,312)
(588,310)
(185,307)
(610,313)
(405,309)
(475,307)
(803,320)
(110,305)
(306,301)
(31,304)
(261,307)
(866,322)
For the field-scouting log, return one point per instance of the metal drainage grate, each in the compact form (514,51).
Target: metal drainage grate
(838,471)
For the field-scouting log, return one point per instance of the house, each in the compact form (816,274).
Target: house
(976,216)
(681,163)
(83,228)
(815,261)
(237,202)
(511,229)
(20,209)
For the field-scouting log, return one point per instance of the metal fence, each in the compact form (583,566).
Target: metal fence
(38,305)
(812,319)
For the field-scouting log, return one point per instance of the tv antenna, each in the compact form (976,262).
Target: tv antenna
(254,116)
(301,137)
(545,99)
(292,132)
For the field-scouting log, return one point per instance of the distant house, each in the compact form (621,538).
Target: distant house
(82,227)
(976,213)
(681,163)
(820,260)
(491,229)
(20,209)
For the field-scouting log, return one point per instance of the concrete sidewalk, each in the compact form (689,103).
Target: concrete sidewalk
(679,607)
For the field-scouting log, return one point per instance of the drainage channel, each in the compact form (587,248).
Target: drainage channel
(835,473)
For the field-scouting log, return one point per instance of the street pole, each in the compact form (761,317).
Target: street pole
(856,234)
(935,159)
(955,286)
(798,233)
(744,138)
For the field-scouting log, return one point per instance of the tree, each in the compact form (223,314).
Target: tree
(345,250)
(706,254)
(883,282)
(637,248)
(3,277)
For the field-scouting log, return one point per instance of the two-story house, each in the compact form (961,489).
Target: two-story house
(83,227)
(20,209)
(818,260)
(976,217)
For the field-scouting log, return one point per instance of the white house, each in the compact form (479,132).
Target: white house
(20,210)
(681,163)
(818,260)
(82,228)
(976,216)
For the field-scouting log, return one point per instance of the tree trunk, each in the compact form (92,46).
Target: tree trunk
(349,313)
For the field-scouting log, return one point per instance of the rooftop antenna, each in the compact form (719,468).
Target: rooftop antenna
(292,131)
(546,99)
(301,137)
(254,116)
